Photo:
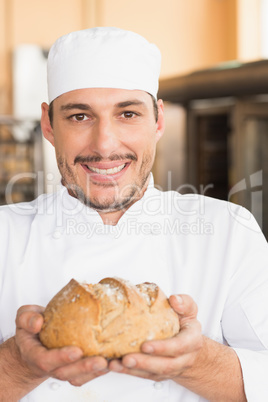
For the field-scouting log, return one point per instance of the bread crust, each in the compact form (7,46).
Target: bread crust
(110,318)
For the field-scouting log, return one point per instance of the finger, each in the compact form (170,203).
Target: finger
(80,380)
(49,360)
(117,366)
(188,340)
(150,367)
(83,370)
(31,307)
(184,305)
(30,318)
(39,358)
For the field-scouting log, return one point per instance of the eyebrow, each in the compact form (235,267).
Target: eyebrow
(86,107)
(130,103)
(71,106)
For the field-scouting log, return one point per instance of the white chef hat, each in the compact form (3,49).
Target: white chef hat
(103,57)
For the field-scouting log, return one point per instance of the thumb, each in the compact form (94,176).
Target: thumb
(29,319)
(184,305)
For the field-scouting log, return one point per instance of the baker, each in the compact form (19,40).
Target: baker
(108,219)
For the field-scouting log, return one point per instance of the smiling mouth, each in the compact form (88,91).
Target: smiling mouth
(106,172)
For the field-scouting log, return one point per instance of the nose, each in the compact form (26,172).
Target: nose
(104,138)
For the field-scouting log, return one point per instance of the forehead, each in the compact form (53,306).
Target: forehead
(110,97)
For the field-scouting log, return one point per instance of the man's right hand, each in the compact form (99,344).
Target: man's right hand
(26,363)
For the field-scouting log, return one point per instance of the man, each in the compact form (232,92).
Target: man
(107,219)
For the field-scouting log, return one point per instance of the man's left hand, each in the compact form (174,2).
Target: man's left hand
(170,358)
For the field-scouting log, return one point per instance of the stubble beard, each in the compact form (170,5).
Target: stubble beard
(122,199)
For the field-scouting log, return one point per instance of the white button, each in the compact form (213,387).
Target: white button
(158,385)
(50,176)
(54,386)
(56,234)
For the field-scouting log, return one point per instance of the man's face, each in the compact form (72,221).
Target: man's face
(105,141)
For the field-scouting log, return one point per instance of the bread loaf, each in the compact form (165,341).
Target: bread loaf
(110,318)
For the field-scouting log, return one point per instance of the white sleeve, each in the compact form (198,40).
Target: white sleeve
(245,316)
(255,374)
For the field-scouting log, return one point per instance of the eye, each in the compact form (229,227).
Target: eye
(129,114)
(79,117)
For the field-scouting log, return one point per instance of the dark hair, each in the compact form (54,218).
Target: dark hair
(155,107)
(50,110)
(50,113)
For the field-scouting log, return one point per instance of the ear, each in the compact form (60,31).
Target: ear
(160,124)
(47,130)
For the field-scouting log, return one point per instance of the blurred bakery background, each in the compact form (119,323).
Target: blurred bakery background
(214,82)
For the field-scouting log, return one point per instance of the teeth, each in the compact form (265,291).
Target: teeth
(107,171)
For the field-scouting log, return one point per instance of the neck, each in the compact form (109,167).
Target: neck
(112,217)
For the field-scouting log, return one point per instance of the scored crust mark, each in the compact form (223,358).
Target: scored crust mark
(115,285)
(149,291)
(113,300)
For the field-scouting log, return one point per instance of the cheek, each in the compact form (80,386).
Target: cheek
(141,140)
(65,146)
(148,143)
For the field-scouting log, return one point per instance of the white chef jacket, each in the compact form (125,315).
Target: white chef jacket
(210,249)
